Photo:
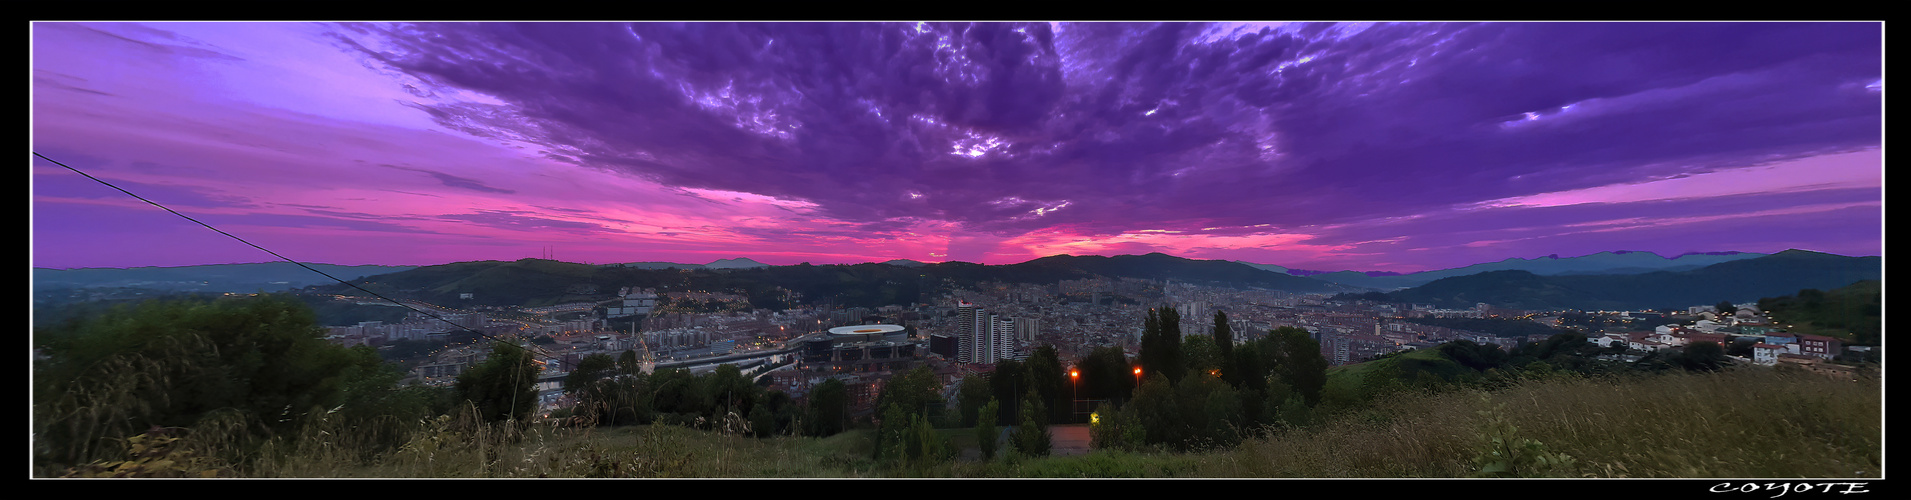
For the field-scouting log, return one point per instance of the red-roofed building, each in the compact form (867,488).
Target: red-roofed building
(1819,345)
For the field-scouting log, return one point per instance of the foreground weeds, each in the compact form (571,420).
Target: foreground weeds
(1756,423)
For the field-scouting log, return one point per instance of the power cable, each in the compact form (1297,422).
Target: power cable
(282,257)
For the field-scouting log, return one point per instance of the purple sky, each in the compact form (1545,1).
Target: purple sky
(1367,146)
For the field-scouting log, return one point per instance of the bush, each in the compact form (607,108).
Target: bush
(170,363)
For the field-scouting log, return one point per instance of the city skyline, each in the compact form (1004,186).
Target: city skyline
(1367,146)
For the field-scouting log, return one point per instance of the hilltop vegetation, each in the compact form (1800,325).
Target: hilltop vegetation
(1852,313)
(537,282)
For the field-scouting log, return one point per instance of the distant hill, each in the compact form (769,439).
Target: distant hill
(1615,262)
(1159,266)
(656,265)
(1267,267)
(737,263)
(218,278)
(1741,280)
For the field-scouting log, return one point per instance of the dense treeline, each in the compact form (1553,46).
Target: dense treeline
(533,282)
(616,391)
(1463,363)
(1203,391)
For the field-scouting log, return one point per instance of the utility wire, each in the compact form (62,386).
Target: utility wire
(282,257)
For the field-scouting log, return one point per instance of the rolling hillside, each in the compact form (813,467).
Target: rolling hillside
(1744,280)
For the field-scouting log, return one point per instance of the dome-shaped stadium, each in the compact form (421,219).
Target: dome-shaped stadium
(868,333)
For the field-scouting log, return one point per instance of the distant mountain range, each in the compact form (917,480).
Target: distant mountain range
(1607,280)
(1617,262)
(218,278)
(1742,280)
(737,263)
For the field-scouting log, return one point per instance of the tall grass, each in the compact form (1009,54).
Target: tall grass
(90,418)
(1746,423)
(460,447)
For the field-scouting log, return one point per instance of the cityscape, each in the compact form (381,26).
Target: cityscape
(969,330)
(901,249)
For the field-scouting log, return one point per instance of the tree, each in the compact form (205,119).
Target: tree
(926,446)
(729,391)
(1205,418)
(1161,344)
(1223,342)
(588,371)
(891,431)
(504,386)
(628,363)
(1156,411)
(973,394)
(1475,356)
(1249,368)
(1298,362)
(1032,438)
(1224,415)
(916,392)
(375,406)
(1007,383)
(1725,307)
(1107,375)
(170,363)
(828,408)
(783,409)
(1202,356)
(677,395)
(762,421)
(1701,356)
(986,430)
(1050,380)
(1116,428)
(584,382)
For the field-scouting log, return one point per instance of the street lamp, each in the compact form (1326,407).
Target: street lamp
(1074,389)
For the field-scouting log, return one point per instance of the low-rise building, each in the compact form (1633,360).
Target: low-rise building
(1766,354)
(1820,346)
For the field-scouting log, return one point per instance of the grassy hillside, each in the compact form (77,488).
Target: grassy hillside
(1652,426)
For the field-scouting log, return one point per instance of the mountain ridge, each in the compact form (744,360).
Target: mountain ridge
(1738,281)
(1607,262)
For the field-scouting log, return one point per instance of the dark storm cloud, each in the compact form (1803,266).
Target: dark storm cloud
(169,195)
(514,220)
(347,222)
(175,44)
(59,81)
(1107,127)
(455,181)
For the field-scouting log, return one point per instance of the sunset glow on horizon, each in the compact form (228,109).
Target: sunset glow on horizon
(1395,147)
